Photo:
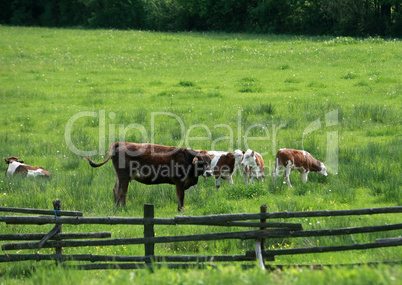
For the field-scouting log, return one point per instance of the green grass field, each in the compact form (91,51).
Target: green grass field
(68,93)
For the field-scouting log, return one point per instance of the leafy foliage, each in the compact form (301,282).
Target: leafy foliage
(339,17)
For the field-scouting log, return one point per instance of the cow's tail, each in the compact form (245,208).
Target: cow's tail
(111,151)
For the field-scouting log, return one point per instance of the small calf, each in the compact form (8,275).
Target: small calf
(292,159)
(253,166)
(17,167)
(223,165)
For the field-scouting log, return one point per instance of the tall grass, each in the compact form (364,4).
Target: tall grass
(230,86)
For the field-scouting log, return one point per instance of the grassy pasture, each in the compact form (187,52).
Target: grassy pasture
(66,93)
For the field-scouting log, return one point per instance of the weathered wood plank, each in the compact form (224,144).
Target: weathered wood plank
(325,213)
(137,221)
(220,220)
(207,237)
(56,237)
(40,212)
(322,249)
(123,258)
(388,239)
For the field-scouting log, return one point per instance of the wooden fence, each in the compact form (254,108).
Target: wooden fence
(264,230)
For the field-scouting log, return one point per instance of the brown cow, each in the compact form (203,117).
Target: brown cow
(17,167)
(292,159)
(224,164)
(155,164)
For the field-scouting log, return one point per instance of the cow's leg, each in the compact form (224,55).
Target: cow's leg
(230,180)
(245,174)
(262,172)
(260,177)
(288,170)
(217,183)
(120,189)
(180,196)
(122,192)
(304,176)
(116,192)
(252,175)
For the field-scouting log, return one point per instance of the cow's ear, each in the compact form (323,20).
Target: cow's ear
(195,160)
(7,161)
(21,161)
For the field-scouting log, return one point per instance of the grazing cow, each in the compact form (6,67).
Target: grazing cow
(224,164)
(292,159)
(155,164)
(17,167)
(253,166)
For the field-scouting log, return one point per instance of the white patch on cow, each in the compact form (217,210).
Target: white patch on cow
(35,173)
(323,170)
(304,176)
(12,167)
(207,173)
(238,154)
(304,153)
(288,167)
(215,160)
(249,159)
(216,153)
(251,167)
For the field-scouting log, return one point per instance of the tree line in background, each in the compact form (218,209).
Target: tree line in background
(314,17)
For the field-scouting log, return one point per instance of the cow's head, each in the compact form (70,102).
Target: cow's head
(12,159)
(248,158)
(238,154)
(202,163)
(323,170)
(319,167)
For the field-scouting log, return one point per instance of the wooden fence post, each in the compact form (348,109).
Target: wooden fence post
(149,230)
(56,207)
(263,209)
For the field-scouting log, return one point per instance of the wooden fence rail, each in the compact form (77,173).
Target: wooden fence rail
(55,237)
(321,249)
(243,235)
(212,220)
(265,230)
(40,212)
(25,220)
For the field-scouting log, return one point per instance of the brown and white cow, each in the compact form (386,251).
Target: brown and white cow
(223,165)
(18,167)
(253,166)
(155,164)
(292,159)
